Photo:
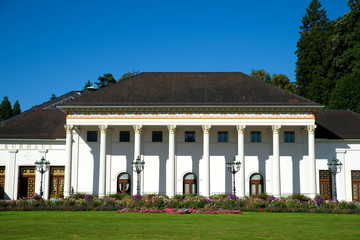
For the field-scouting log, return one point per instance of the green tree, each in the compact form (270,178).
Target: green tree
(105,80)
(282,81)
(346,94)
(128,74)
(88,84)
(16,108)
(314,53)
(278,80)
(346,62)
(261,75)
(53,96)
(5,109)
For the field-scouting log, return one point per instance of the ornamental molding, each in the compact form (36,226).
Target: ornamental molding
(137,129)
(236,107)
(172,129)
(103,129)
(240,129)
(276,129)
(311,129)
(68,129)
(190,115)
(206,129)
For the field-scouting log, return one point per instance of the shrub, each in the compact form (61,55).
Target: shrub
(78,196)
(300,197)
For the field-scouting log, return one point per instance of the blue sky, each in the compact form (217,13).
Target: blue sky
(56,46)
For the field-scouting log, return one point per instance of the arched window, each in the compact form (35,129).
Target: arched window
(124,184)
(256,184)
(189,184)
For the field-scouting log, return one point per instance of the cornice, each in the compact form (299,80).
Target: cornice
(262,108)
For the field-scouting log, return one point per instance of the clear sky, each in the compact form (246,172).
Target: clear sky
(56,46)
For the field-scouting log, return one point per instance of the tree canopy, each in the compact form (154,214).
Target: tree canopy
(328,55)
(108,79)
(278,80)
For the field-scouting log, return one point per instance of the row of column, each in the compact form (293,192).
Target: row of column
(276,183)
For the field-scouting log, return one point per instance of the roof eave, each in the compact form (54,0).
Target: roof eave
(291,108)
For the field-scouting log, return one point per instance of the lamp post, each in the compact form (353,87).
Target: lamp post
(233,167)
(42,166)
(139,166)
(334,167)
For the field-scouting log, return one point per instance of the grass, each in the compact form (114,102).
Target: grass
(114,225)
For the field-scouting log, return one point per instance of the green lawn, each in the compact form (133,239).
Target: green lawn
(114,225)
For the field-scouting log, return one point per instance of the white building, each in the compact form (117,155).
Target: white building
(185,126)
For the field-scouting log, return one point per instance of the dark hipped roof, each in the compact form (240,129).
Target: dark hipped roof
(337,124)
(36,124)
(191,89)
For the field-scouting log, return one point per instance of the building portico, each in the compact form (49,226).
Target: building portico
(174,156)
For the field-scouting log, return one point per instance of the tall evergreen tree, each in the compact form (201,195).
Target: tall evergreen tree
(6,110)
(346,63)
(314,55)
(105,80)
(16,109)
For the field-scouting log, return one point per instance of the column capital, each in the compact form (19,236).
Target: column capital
(172,129)
(103,129)
(206,129)
(276,129)
(68,129)
(311,129)
(137,129)
(240,129)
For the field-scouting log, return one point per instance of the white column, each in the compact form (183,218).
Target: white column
(312,164)
(11,176)
(171,168)
(206,159)
(137,129)
(68,163)
(241,157)
(276,163)
(102,165)
(75,172)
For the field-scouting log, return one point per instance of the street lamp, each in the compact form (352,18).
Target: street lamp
(334,167)
(139,166)
(42,166)
(233,167)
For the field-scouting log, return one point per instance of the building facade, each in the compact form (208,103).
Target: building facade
(185,127)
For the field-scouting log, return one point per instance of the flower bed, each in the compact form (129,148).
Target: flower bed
(182,204)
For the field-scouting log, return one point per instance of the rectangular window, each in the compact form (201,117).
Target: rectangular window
(190,136)
(289,136)
(255,136)
(92,136)
(222,136)
(124,136)
(157,136)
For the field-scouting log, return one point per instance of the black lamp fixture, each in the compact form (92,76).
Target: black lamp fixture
(42,166)
(233,167)
(138,168)
(334,166)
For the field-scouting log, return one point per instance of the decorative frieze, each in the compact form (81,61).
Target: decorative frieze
(190,115)
(172,129)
